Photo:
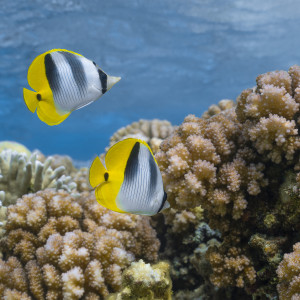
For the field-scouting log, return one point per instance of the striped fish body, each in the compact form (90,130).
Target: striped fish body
(64,81)
(131,181)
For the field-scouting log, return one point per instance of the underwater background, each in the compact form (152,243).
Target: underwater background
(226,74)
(175,57)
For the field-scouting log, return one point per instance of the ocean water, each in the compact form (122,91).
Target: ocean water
(175,57)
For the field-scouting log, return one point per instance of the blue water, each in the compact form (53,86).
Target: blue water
(175,57)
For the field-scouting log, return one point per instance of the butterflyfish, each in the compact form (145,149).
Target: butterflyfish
(130,181)
(63,81)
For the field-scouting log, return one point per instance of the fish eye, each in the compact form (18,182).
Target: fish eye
(39,97)
(106,176)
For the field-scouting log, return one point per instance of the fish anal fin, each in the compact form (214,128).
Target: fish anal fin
(97,172)
(48,114)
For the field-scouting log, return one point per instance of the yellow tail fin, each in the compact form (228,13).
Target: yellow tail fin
(30,99)
(97,172)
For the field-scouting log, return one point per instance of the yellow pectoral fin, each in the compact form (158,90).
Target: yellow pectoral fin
(97,171)
(30,98)
(48,114)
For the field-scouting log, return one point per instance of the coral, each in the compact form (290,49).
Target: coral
(269,114)
(289,275)
(69,248)
(14,146)
(151,131)
(21,175)
(63,160)
(81,178)
(143,281)
(187,239)
(240,164)
(216,109)
(232,269)
(196,169)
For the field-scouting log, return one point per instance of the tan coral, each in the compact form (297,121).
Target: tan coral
(151,131)
(232,269)
(143,281)
(216,109)
(269,114)
(289,275)
(69,248)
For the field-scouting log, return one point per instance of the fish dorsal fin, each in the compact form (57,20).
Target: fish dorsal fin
(98,173)
(37,72)
(117,156)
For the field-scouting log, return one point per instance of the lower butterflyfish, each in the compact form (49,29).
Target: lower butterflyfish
(130,181)
(64,81)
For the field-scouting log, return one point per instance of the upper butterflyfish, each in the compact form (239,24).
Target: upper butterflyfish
(130,181)
(63,81)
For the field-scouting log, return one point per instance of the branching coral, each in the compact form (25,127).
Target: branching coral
(289,275)
(81,178)
(235,163)
(216,109)
(269,114)
(151,131)
(69,248)
(21,175)
(143,281)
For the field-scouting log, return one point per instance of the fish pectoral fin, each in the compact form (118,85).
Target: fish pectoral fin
(48,114)
(30,98)
(97,173)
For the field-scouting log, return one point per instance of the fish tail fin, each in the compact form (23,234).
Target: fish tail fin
(30,98)
(97,172)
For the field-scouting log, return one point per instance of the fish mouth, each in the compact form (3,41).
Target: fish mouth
(111,81)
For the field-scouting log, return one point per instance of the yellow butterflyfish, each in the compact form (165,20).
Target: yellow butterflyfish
(63,81)
(130,181)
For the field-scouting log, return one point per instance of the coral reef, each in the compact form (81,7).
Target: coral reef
(216,109)
(60,247)
(81,178)
(240,164)
(151,131)
(14,146)
(289,275)
(21,175)
(143,281)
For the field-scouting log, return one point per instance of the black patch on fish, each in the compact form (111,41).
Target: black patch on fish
(94,63)
(39,97)
(52,73)
(163,202)
(77,71)
(153,174)
(103,79)
(132,164)
(106,175)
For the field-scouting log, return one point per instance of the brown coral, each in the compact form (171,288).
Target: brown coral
(233,163)
(232,269)
(269,114)
(289,275)
(68,248)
